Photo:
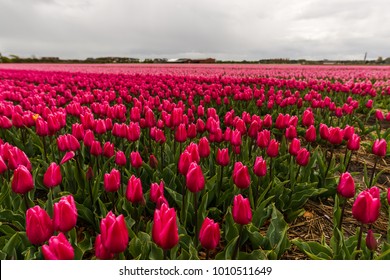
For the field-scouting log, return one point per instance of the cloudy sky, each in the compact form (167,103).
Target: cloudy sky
(224,29)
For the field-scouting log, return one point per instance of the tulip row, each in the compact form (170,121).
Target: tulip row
(185,166)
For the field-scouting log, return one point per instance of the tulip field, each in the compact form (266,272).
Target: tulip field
(202,162)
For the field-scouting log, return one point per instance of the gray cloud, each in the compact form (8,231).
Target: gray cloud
(247,29)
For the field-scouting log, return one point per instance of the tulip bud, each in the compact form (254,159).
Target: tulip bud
(263,138)
(134,192)
(280,122)
(89,173)
(291,132)
(311,134)
(52,176)
(3,166)
(204,147)
(160,201)
(273,148)
(353,143)
(241,211)
(260,167)
(89,137)
(379,147)
(236,138)
(223,157)
(346,186)
(65,214)
(195,181)
(67,157)
(209,234)
(108,150)
(369,103)
(303,157)
(150,119)
(96,148)
(156,190)
(100,127)
(379,115)
(336,135)
(59,248)
(193,149)
(324,131)
(366,207)
(114,234)
(348,132)
(100,251)
(181,133)
(307,118)
(22,181)
(371,242)
(112,181)
(120,158)
(41,127)
(295,146)
(132,132)
(135,114)
(267,121)
(153,161)
(191,131)
(253,129)
(39,226)
(388,196)
(241,176)
(164,230)
(135,160)
(185,160)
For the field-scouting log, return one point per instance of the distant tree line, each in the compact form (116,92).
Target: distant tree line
(102,60)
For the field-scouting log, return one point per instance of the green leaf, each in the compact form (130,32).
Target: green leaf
(202,210)
(277,233)
(156,253)
(85,214)
(231,230)
(10,247)
(262,212)
(302,192)
(314,250)
(385,253)
(16,219)
(135,247)
(177,198)
(257,240)
(337,242)
(3,255)
(193,253)
(254,255)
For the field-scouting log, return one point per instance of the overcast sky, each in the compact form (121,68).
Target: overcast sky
(224,29)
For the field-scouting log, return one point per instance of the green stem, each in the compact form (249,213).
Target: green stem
(329,162)
(25,198)
(220,183)
(196,218)
(388,227)
(44,147)
(373,172)
(251,198)
(349,161)
(342,214)
(359,241)
(237,248)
